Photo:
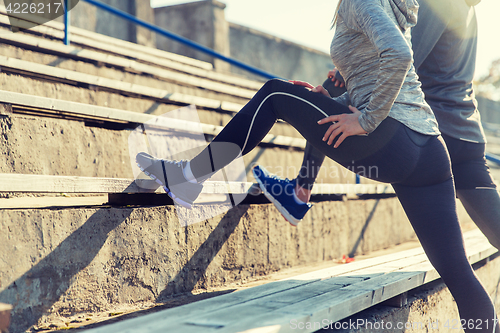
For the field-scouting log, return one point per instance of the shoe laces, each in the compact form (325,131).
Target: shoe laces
(281,180)
(180,163)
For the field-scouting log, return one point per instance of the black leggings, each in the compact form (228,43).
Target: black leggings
(475,187)
(417,166)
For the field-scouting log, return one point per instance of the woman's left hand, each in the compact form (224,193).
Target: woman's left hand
(318,89)
(345,124)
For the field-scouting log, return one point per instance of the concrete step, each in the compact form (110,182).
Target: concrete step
(325,296)
(122,49)
(49,73)
(57,55)
(45,81)
(48,136)
(88,259)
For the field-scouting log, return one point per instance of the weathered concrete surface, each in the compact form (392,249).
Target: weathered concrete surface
(204,22)
(56,263)
(431,309)
(89,17)
(277,56)
(49,146)
(61,262)
(118,74)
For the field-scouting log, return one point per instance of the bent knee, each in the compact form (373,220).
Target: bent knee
(276,85)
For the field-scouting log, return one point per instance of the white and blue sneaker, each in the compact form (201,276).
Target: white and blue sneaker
(169,174)
(281,193)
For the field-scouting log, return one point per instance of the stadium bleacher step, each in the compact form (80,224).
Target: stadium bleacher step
(329,295)
(73,175)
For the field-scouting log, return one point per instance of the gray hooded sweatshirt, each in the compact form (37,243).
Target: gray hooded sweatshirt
(445,43)
(371,49)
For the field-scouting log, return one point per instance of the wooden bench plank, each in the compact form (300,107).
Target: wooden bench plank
(312,301)
(176,315)
(309,299)
(340,304)
(4,316)
(379,289)
(389,285)
(354,268)
(277,301)
(392,265)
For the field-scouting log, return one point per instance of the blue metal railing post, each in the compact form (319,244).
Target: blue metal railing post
(66,22)
(493,158)
(180,39)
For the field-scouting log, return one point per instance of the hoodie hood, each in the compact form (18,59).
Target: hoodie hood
(406,11)
(472,2)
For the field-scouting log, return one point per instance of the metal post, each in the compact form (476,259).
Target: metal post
(493,158)
(66,22)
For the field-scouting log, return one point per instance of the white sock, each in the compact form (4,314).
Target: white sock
(188,174)
(297,200)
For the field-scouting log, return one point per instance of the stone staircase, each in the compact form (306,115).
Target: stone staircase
(77,233)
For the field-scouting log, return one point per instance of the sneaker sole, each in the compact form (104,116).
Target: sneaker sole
(288,217)
(167,190)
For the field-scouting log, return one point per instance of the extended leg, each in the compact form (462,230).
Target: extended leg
(300,108)
(277,99)
(475,187)
(483,206)
(297,106)
(432,213)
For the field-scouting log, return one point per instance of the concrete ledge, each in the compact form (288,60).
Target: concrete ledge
(47,146)
(110,40)
(57,262)
(330,294)
(59,49)
(47,106)
(66,76)
(11,182)
(141,53)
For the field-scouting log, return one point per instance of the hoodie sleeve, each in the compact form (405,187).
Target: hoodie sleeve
(343,99)
(395,56)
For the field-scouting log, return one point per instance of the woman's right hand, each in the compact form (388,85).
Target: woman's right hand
(344,124)
(331,75)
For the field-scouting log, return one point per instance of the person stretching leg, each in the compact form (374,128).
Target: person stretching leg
(404,144)
(417,166)
(445,42)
